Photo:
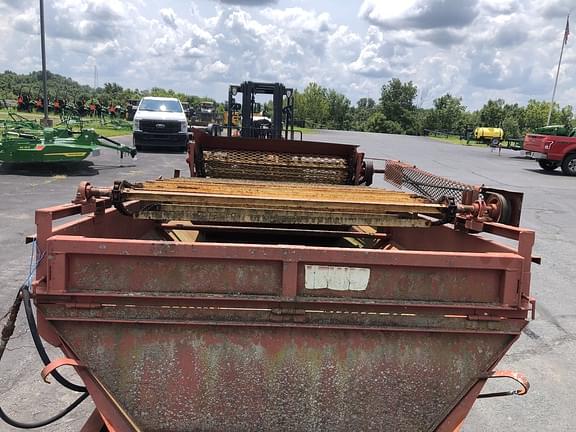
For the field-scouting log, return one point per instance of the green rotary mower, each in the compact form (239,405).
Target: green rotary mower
(25,142)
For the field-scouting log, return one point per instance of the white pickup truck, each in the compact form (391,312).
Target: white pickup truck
(160,122)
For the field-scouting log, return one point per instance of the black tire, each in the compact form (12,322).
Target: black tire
(547,165)
(184,146)
(136,144)
(569,165)
(495,142)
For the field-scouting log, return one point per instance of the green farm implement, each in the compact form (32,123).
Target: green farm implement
(23,141)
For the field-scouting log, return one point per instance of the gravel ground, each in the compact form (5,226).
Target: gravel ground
(545,353)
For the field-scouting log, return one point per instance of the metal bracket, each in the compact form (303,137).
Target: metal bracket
(518,377)
(55,364)
(91,199)
(532,302)
(116,195)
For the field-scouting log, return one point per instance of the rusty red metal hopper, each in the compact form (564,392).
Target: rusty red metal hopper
(180,325)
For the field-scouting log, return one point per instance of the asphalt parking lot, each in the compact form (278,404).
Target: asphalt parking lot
(545,352)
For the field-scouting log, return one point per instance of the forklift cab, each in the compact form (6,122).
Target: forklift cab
(246,113)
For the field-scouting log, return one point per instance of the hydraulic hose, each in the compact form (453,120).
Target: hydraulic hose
(46,422)
(8,329)
(24,297)
(38,342)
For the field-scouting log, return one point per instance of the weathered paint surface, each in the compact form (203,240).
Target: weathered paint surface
(178,378)
(227,337)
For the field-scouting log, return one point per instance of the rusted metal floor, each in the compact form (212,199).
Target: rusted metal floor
(233,201)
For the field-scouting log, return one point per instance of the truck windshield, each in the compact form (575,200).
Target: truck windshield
(160,105)
(206,106)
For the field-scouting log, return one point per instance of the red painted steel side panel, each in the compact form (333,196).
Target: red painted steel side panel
(209,142)
(146,274)
(162,267)
(421,284)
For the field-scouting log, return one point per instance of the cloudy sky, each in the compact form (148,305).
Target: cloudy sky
(477,49)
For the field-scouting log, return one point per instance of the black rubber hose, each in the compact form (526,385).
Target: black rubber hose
(46,422)
(40,347)
(8,329)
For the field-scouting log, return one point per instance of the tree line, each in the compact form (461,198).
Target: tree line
(395,110)
(13,85)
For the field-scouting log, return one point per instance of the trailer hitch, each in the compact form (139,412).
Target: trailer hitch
(518,377)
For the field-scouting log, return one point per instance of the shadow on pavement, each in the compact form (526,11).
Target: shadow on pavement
(70,169)
(522,157)
(556,172)
(169,150)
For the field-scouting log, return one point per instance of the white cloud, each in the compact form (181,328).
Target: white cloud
(27,22)
(490,47)
(470,48)
(217,68)
(422,14)
(344,45)
(108,48)
(169,17)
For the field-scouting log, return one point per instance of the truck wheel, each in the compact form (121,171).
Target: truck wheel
(495,142)
(569,165)
(136,144)
(547,165)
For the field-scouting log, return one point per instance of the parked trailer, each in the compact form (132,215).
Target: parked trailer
(489,135)
(179,326)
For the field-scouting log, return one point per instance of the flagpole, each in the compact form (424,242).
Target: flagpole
(46,120)
(564,40)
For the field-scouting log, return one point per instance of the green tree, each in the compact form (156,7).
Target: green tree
(565,116)
(339,110)
(397,103)
(536,114)
(313,105)
(514,120)
(360,114)
(448,113)
(375,123)
(511,127)
(379,123)
(492,113)
(471,119)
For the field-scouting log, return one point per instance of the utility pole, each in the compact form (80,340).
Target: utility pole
(564,42)
(46,121)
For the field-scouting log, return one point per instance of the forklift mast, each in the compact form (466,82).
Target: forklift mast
(282,115)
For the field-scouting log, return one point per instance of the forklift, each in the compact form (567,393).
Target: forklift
(253,126)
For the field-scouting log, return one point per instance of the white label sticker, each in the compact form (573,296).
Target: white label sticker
(336,278)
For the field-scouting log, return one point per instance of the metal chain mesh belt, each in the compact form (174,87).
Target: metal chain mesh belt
(256,165)
(422,182)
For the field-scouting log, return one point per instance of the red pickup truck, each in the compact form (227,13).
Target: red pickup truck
(552,151)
